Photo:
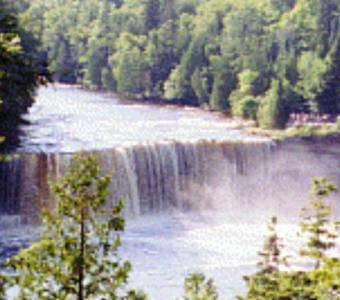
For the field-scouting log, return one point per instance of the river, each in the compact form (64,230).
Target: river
(198,190)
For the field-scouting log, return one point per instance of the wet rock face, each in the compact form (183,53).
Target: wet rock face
(248,180)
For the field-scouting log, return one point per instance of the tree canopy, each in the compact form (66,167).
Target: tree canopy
(22,65)
(259,60)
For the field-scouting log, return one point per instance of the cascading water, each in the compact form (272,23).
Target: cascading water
(192,183)
(150,177)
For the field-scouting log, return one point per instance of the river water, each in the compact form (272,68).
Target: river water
(198,190)
(70,120)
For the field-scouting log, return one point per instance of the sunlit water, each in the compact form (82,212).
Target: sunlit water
(68,120)
(163,248)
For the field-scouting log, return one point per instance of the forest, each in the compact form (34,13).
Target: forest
(23,66)
(260,60)
(256,59)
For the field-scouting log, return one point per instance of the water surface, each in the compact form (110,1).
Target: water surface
(70,120)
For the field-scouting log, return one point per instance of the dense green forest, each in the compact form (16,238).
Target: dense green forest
(257,59)
(22,65)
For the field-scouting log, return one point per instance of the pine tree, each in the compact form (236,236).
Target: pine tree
(152,14)
(76,257)
(329,99)
(197,287)
(316,224)
(22,66)
(271,254)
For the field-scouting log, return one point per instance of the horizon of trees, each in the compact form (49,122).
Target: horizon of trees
(256,59)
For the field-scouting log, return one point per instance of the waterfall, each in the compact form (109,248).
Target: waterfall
(156,177)
(149,177)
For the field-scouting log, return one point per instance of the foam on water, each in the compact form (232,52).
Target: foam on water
(197,190)
(164,249)
(70,120)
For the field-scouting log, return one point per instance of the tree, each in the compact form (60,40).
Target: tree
(311,70)
(107,79)
(197,287)
(328,99)
(243,101)
(272,112)
(129,65)
(266,283)
(224,83)
(76,257)
(22,66)
(320,283)
(316,224)
(162,55)
(152,14)
(271,258)
(200,85)
(193,51)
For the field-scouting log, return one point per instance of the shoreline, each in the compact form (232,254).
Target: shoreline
(151,101)
(304,131)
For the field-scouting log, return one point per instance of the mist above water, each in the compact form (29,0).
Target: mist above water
(198,191)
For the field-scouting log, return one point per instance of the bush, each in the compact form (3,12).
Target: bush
(246,108)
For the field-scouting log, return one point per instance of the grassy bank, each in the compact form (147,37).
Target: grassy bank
(303,131)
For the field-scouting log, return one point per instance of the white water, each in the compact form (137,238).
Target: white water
(69,120)
(197,196)
(164,249)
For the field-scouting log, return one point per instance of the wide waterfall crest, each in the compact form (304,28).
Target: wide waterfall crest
(150,177)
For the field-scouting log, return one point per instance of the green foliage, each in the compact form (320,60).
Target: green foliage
(200,85)
(271,109)
(243,103)
(197,287)
(2,287)
(320,283)
(313,131)
(22,66)
(247,107)
(257,59)
(328,100)
(76,257)
(316,222)
(311,70)
(152,14)
(223,84)
(271,255)
(107,79)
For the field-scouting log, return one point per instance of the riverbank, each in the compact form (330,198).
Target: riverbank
(331,130)
(154,102)
(304,131)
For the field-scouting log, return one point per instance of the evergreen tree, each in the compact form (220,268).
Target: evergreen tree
(107,79)
(271,258)
(272,112)
(328,100)
(22,66)
(321,283)
(76,257)
(200,85)
(316,222)
(196,287)
(293,46)
(152,14)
